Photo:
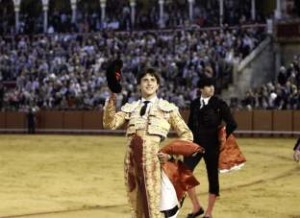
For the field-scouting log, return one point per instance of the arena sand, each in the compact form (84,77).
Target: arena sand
(64,176)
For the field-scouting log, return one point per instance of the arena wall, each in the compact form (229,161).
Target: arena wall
(283,123)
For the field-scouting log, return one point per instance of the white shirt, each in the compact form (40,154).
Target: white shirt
(152,100)
(206,100)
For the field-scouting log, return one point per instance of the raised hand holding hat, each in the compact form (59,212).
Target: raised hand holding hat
(114,75)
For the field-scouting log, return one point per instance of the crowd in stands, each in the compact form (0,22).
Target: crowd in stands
(67,71)
(65,68)
(282,94)
(117,16)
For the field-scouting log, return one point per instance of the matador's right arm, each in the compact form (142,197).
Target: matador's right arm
(111,118)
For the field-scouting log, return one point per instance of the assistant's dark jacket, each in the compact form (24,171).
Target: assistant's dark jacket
(205,122)
(297,145)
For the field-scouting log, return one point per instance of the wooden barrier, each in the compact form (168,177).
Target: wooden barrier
(296,121)
(53,119)
(92,120)
(245,121)
(262,122)
(15,120)
(2,120)
(282,122)
(73,120)
(185,114)
(250,123)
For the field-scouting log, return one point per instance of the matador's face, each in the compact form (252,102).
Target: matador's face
(149,86)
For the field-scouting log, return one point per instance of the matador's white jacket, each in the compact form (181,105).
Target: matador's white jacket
(143,171)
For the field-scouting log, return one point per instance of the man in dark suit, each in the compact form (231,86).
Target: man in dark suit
(297,150)
(207,114)
(31,119)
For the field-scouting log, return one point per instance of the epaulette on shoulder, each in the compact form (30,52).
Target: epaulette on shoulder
(166,106)
(129,107)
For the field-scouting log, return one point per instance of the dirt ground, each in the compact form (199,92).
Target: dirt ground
(60,176)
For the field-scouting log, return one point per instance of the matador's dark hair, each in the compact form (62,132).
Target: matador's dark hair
(150,71)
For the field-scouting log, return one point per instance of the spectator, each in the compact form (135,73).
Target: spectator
(31,119)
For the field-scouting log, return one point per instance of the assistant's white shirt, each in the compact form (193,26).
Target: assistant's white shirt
(206,100)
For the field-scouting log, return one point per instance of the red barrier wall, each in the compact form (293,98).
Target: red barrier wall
(282,121)
(2,121)
(15,120)
(253,123)
(73,120)
(52,119)
(296,120)
(244,120)
(262,122)
(92,120)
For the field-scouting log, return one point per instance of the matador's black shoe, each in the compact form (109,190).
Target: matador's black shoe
(198,213)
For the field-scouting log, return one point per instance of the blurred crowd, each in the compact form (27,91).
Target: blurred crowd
(67,71)
(117,16)
(282,94)
(65,68)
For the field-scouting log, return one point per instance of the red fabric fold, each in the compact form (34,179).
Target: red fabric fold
(230,152)
(181,147)
(180,175)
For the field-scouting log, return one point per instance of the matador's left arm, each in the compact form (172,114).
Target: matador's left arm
(179,125)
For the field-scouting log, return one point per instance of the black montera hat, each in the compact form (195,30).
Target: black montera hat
(114,75)
(204,81)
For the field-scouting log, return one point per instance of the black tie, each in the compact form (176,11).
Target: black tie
(143,110)
(202,104)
